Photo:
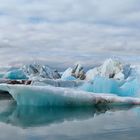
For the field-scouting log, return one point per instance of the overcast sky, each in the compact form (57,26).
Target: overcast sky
(68,30)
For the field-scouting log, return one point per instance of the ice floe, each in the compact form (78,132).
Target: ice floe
(58,96)
(110,69)
(111,82)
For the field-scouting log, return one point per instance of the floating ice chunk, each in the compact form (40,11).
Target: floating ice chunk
(102,85)
(110,69)
(47,72)
(92,73)
(105,85)
(15,74)
(42,71)
(66,74)
(54,96)
(32,71)
(130,88)
(74,73)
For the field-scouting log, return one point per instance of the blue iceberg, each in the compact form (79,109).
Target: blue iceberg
(57,96)
(15,74)
(130,88)
(106,85)
(111,82)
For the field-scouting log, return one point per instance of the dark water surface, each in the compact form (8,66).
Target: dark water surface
(42,123)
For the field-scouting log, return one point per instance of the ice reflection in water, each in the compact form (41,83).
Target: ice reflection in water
(41,123)
(30,116)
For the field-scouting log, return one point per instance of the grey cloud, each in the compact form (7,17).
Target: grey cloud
(62,30)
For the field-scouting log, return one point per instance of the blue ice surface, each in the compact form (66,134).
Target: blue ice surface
(118,87)
(130,88)
(15,74)
(69,78)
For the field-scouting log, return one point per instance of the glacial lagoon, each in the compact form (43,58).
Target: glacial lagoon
(65,123)
(39,103)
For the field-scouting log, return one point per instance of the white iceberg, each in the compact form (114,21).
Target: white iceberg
(110,69)
(67,75)
(74,73)
(42,71)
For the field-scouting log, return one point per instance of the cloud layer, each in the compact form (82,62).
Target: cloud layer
(66,31)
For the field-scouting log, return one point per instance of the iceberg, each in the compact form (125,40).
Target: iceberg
(67,75)
(15,74)
(32,71)
(130,88)
(74,73)
(112,82)
(105,85)
(101,85)
(110,69)
(41,71)
(57,96)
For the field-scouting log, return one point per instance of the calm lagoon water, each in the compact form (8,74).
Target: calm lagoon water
(42,123)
